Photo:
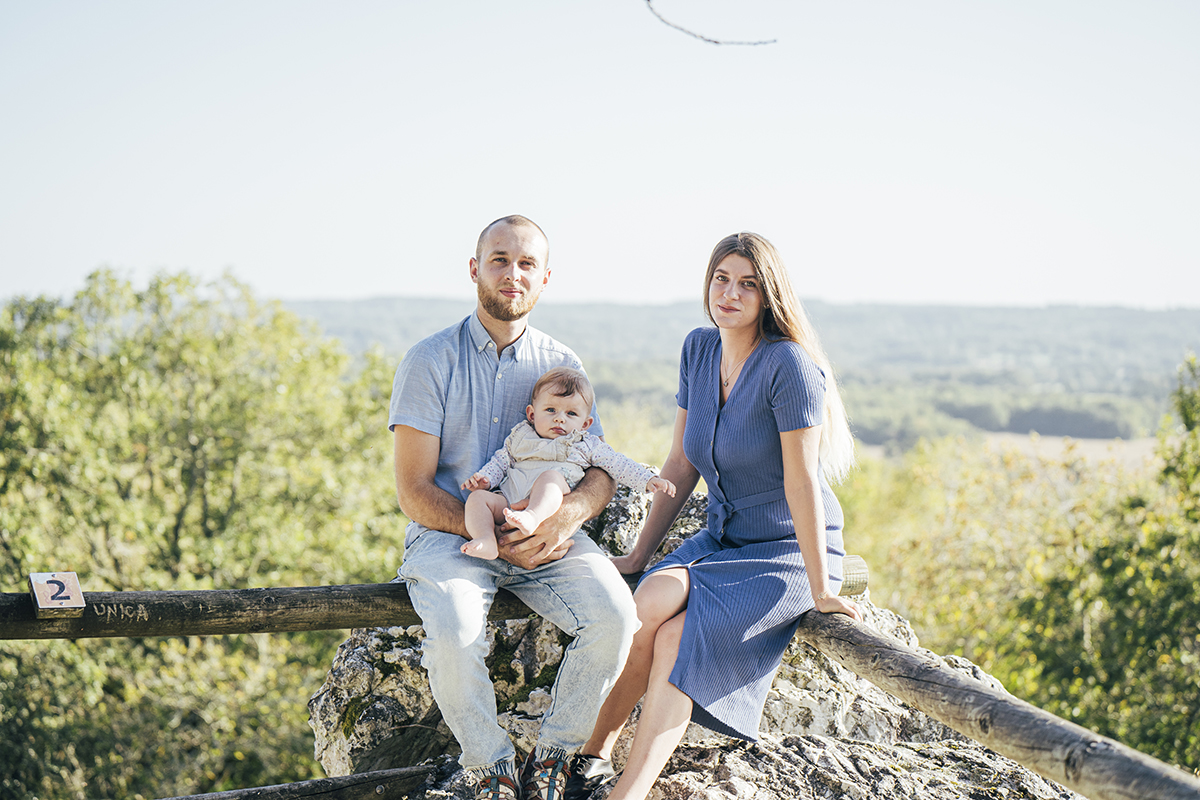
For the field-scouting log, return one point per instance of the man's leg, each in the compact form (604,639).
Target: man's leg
(452,594)
(585,596)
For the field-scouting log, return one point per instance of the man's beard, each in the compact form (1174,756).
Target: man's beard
(503,309)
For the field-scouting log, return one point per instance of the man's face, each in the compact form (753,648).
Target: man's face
(553,416)
(511,271)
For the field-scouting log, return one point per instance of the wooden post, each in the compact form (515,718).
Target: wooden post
(1083,761)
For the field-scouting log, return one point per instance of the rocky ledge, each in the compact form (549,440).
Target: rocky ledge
(826,733)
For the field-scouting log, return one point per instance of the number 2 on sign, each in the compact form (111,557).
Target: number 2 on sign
(56,594)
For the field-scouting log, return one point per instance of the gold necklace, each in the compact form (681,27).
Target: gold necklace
(725,380)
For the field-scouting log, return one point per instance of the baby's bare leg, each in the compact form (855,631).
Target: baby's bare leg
(484,510)
(545,498)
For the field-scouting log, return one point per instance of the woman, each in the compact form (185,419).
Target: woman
(760,419)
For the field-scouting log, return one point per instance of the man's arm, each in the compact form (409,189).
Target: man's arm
(422,500)
(552,539)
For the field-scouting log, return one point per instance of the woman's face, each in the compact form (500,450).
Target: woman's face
(734,296)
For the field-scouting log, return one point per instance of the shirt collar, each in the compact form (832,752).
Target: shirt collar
(481,340)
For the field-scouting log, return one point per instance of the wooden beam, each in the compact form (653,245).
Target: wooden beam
(388,784)
(1090,764)
(1095,766)
(217,612)
(282,610)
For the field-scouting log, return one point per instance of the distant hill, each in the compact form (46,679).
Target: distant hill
(908,370)
(606,331)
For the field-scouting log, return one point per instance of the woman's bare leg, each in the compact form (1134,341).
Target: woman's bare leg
(665,715)
(660,597)
(545,498)
(483,510)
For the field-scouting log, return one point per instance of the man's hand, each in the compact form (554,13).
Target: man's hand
(549,542)
(552,539)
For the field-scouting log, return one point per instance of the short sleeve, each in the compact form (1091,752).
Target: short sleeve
(681,397)
(797,388)
(687,358)
(418,394)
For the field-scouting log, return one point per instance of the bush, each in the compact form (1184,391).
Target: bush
(180,437)
(1074,583)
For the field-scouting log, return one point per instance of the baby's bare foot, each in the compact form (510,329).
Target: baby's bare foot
(523,521)
(481,548)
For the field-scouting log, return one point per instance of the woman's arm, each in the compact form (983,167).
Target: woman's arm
(802,487)
(664,508)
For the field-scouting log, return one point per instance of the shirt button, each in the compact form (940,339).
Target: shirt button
(499,375)
(495,419)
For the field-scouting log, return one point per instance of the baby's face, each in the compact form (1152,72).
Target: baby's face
(553,416)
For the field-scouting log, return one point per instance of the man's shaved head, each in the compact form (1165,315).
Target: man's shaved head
(515,220)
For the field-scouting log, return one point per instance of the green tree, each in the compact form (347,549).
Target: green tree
(1111,639)
(1075,583)
(955,530)
(187,437)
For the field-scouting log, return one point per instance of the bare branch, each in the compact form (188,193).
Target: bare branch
(668,23)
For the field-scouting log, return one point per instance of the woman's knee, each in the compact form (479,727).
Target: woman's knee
(661,597)
(668,636)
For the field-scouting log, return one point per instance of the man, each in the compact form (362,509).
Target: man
(455,398)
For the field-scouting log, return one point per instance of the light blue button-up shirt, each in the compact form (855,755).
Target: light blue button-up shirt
(454,386)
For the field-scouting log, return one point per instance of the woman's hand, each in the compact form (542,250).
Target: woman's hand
(627,564)
(833,604)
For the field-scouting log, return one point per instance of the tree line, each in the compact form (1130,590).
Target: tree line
(908,372)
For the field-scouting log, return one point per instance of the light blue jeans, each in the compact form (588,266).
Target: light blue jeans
(582,594)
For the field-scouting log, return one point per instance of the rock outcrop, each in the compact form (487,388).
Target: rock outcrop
(825,731)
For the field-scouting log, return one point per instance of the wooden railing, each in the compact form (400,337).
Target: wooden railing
(1095,766)
(287,610)
(1085,762)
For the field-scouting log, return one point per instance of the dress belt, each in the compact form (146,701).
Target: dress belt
(724,509)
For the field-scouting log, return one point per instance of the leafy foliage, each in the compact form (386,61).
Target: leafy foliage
(182,437)
(1075,583)
(1112,637)
(955,530)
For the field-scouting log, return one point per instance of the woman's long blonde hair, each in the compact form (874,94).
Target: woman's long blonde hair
(783,317)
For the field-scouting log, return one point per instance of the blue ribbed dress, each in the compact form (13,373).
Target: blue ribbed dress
(748,584)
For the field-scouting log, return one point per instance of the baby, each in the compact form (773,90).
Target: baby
(543,459)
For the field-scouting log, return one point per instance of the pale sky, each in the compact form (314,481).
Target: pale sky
(992,153)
